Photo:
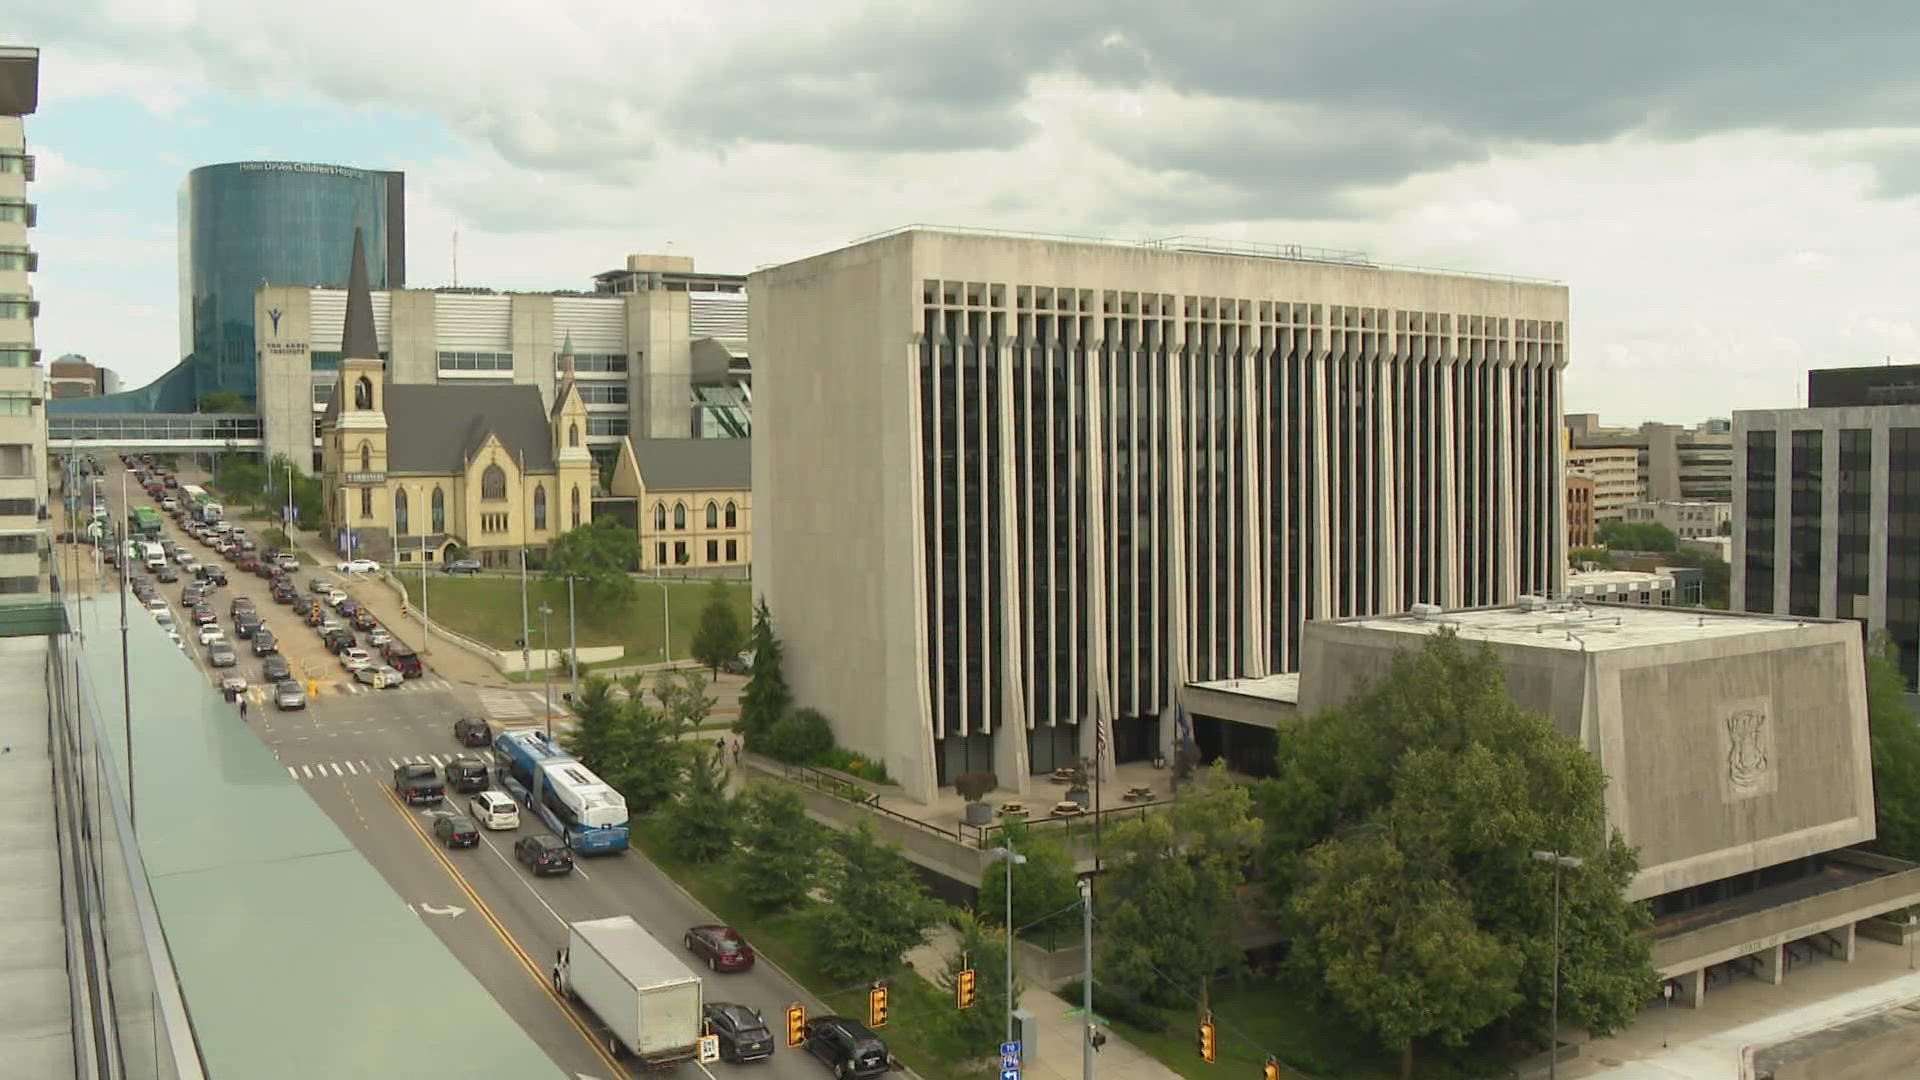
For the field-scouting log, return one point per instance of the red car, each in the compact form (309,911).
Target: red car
(723,949)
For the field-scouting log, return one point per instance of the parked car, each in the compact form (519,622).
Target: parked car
(720,946)
(847,1047)
(472,731)
(358,566)
(287,562)
(418,782)
(461,566)
(287,694)
(544,854)
(264,643)
(741,1030)
(494,810)
(467,772)
(457,830)
(275,667)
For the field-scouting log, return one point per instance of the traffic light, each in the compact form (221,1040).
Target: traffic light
(877,1007)
(964,990)
(1206,1040)
(1272,1071)
(796,1025)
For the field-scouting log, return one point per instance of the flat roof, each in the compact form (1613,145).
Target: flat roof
(282,933)
(1587,627)
(1283,688)
(1590,580)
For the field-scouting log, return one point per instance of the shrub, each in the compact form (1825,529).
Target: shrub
(974,786)
(800,738)
(854,763)
(1118,1008)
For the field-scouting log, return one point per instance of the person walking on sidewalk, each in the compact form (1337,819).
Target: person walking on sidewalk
(243,710)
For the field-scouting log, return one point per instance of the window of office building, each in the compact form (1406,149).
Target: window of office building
(713,514)
(16,355)
(606,425)
(573,510)
(597,363)
(602,393)
(400,512)
(1856,523)
(660,517)
(1760,521)
(366,502)
(477,361)
(16,403)
(1803,540)
(16,460)
(17,307)
(679,516)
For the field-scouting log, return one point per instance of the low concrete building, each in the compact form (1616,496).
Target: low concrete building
(1688,520)
(1620,586)
(1736,752)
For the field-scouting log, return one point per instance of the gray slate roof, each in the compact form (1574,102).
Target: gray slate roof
(433,428)
(357,338)
(694,464)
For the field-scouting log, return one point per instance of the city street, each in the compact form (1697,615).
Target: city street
(503,924)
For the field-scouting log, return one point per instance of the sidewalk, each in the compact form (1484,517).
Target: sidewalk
(1058,1053)
(445,657)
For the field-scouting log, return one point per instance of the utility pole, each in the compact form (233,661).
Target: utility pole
(426,646)
(546,645)
(573,644)
(1086,978)
(526,629)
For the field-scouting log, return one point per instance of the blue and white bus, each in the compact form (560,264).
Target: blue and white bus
(577,805)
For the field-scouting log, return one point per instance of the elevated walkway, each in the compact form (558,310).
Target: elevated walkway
(153,431)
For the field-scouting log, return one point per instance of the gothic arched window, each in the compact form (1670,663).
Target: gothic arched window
(540,506)
(493,483)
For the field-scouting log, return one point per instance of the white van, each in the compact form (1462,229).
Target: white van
(156,559)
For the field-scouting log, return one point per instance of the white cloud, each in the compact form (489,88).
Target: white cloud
(59,174)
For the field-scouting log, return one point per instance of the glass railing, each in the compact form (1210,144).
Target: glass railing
(136,428)
(129,1017)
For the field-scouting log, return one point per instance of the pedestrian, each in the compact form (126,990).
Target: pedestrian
(736,749)
(243,710)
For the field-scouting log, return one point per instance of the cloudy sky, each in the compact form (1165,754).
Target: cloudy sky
(1731,200)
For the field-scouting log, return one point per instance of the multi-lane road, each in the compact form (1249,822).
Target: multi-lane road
(501,923)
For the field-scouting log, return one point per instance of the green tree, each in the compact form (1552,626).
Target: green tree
(718,638)
(598,555)
(1635,536)
(684,702)
(800,738)
(1407,816)
(766,697)
(1046,892)
(1170,896)
(631,746)
(224,401)
(1596,555)
(1715,575)
(876,908)
(700,826)
(780,848)
(1894,733)
(597,723)
(984,949)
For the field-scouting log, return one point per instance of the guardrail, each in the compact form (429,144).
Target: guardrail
(1069,828)
(853,791)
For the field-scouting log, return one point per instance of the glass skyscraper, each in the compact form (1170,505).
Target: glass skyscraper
(248,223)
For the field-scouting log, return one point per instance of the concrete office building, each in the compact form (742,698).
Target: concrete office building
(1736,753)
(23,391)
(1673,463)
(1579,511)
(645,347)
(1826,505)
(1686,520)
(1013,490)
(1621,586)
(73,376)
(1615,472)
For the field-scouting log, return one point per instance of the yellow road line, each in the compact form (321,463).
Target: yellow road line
(533,969)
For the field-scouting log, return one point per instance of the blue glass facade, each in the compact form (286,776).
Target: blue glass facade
(288,223)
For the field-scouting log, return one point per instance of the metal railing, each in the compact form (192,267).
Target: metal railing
(153,428)
(852,791)
(1069,829)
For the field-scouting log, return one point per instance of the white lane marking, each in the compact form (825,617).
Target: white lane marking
(521,878)
(336,769)
(293,772)
(392,764)
(306,771)
(351,771)
(366,768)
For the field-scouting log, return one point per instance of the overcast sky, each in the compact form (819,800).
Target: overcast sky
(1731,199)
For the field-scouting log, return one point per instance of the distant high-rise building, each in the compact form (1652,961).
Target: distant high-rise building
(1614,471)
(1826,505)
(1672,463)
(74,376)
(23,391)
(1579,511)
(1011,492)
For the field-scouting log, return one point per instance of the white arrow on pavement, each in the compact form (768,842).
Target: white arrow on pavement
(430,909)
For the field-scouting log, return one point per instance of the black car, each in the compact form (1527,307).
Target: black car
(245,623)
(847,1047)
(338,640)
(417,782)
(240,604)
(742,1032)
(348,608)
(461,566)
(544,853)
(191,595)
(275,667)
(363,619)
(472,731)
(284,592)
(466,772)
(457,830)
(264,643)
(167,575)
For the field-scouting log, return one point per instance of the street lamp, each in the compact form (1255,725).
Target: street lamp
(1666,1020)
(1913,921)
(1568,862)
(546,643)
(1012,859)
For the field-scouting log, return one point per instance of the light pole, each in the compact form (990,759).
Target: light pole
(1560,862)
(1912,920)
(1012,859)
(1666,1019)
(546,645)
(1087,1044)
(573,645)
(426,645)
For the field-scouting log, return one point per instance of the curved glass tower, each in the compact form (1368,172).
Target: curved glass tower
(245,223)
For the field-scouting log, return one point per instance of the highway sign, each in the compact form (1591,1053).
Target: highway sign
(1010,1049)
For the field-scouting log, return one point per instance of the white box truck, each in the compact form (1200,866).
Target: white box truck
(647,999)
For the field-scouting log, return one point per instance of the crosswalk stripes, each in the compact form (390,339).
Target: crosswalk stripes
(347,768)
(504,704)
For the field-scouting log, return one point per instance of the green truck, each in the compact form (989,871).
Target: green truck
(144,521)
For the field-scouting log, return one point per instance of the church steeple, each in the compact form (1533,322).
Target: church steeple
(357,338)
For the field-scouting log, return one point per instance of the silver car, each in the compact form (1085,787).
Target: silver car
(288,695)
(221,654)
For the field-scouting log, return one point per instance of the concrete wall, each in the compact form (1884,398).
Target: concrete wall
(413,351)
(1658,716)
(661,364)
(283,357)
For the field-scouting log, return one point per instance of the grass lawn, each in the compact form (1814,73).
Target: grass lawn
(913,1032)
(488,608)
